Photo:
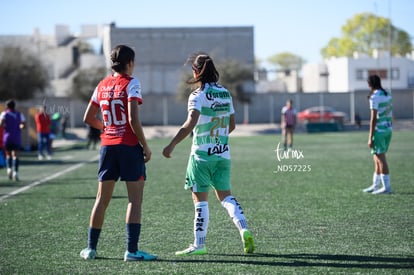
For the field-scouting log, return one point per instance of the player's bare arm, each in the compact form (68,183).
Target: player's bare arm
(232,124)
(184,131)
(372,125)
(135,123)
(90,117)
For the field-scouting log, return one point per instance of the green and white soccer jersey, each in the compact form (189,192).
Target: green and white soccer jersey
(383,131)
(383,104)
(209,163)
(211,134)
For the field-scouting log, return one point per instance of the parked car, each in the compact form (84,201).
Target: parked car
(321,114)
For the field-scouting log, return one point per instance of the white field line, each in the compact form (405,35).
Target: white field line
(46,179)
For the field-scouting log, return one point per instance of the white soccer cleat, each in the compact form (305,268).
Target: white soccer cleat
(371,189)
(192,250)
(15,176)
(88,254)
(382,190)
(10,173)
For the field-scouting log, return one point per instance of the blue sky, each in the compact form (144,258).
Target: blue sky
(302,27)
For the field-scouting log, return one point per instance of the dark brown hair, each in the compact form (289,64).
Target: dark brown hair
(203,65)
(10,104)
(374,82)
(121,55)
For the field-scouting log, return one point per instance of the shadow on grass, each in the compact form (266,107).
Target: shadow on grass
(109,258)
(76,147)
(93,198)
(311,260)
(35,162)
(10,183)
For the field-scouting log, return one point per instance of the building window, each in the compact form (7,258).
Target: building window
(411,79)
(395,74)
(361,74)
(382,73)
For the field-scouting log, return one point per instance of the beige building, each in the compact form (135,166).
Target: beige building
(162,52)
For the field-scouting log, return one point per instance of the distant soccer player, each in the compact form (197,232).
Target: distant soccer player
(12,121)
(380,132)
(124,150)
(211,118)
(288,124)
(43,124)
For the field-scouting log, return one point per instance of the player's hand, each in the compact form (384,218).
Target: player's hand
(370,145)
(167,151)
(147,153)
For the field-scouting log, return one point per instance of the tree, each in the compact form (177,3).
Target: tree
(366,32)
(183,89)
(84,47)
(232,76)
(86,81)
(22,75)
(286,61)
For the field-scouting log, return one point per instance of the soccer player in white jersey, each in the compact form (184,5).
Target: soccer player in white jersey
(211,119)
(380,133)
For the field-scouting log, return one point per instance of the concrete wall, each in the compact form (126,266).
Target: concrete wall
(161,52)
(264,108)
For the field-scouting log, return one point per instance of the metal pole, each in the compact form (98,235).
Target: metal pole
(352,106)
(325,75)
(390,46)
(272,109)
(164,110)
(297,102)
(321,104)
(246,113)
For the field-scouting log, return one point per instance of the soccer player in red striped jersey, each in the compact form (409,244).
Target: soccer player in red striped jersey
(124,150)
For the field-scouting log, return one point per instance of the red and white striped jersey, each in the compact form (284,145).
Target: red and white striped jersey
(112,96)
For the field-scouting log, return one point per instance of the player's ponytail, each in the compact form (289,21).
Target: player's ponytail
(121,55)
(374,82)
(205,69)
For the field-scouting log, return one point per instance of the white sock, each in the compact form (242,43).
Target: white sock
(235,212)
(376,180)
(385,179)
(200,223)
